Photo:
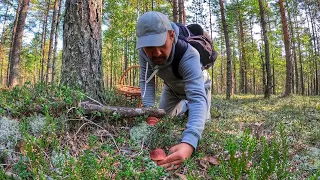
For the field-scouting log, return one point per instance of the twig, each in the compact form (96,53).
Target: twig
(45,155)
(70,109)
(110,135)
(94,100)
(10,174)
(79,129)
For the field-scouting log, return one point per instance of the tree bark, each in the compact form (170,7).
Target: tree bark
(14,30)
(182,12)
(122,112)
(302,86)
(243,68)
(2,41)
(44,39)
(268,87)
(82,47)
(263,68)
(56,43)
(229,61)
(286,40)
(234,87)
(295,75)
(17,44)
(175,10)
(53,26)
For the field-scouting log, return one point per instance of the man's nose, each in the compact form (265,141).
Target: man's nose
(156,52)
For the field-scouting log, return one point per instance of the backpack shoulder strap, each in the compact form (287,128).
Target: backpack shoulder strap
(180,48)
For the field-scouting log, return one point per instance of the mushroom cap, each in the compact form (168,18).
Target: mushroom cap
(157,154)
(152,121)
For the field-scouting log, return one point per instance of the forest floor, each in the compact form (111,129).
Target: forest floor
(45,135)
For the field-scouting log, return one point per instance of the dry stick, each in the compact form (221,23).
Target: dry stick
(46,156)
(94,100)
(70,110)
(108,133)
(74,136)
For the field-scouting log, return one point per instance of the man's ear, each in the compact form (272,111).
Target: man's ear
(172,34)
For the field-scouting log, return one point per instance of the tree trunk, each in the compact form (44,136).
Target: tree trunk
(17,44)
(182,12)
(273,79)
(53,26)
(295,76)
(14,30)
(301,66)
(263,69)
(229,62)
(286,40)
(243,71)
(268,86)
(175,10)
(44,40)
(315,54)
(235,90)
(56,43)
(2,41)
(82,47)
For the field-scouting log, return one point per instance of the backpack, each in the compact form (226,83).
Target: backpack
(194,35)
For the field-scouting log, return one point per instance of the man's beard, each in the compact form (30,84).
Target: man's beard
(159,60)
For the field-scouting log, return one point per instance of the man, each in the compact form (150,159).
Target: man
(157,44)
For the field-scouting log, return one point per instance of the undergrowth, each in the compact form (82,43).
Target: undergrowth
(247,138)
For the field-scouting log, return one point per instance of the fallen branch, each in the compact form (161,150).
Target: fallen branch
(123,112)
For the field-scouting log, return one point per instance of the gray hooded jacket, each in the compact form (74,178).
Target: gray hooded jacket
(192,87)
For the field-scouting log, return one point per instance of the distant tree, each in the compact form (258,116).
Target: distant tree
(286,40)
(268,87)
(175,10)
(229,62)
(182,12)
(44,39)
(53,29)
(54,60)
(17,44)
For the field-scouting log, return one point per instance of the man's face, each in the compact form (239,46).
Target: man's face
(159,54)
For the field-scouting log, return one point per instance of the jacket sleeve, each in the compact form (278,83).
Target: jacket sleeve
(147,90)
(190,69)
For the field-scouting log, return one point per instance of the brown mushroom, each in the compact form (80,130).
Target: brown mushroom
(157,155)
(152,121)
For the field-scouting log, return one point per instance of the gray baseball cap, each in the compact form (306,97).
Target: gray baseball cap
(152,29)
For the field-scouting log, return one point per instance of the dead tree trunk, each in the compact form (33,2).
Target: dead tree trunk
(122,112)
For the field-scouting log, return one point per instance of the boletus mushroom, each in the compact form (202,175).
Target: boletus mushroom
(157,155)
(152,121)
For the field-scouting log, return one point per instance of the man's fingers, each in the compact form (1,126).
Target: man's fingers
(171,164)
(171,158)
(174,167)
(173,149)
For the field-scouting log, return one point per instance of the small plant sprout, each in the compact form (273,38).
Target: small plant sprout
(152,121)
(157,155)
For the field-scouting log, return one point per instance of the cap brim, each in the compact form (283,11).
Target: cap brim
(152,40)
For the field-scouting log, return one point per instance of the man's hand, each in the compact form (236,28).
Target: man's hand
(177,154)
